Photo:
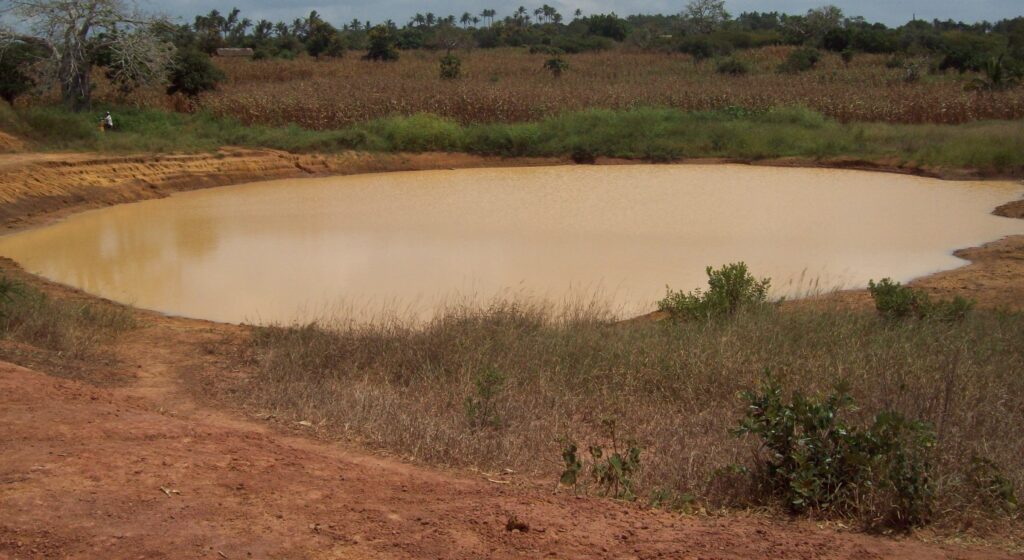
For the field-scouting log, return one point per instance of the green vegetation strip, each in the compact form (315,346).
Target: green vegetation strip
(651,134)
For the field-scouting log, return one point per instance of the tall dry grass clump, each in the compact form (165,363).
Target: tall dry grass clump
(74,330)
(511,385)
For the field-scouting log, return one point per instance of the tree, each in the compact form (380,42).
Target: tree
(489,16)
(382,44)
(608,25)
(16,56)
(72,30)
(705,16)
(193,73)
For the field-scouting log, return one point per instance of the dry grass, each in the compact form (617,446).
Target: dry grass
(509,85)
(73,330)
(673,387)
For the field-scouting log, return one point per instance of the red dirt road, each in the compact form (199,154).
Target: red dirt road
(141,472)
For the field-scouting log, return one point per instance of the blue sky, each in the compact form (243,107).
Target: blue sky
(892,12)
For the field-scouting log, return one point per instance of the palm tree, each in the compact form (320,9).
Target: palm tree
(431,19)
(465,19)
(489,16)
(578,13)
(355,25)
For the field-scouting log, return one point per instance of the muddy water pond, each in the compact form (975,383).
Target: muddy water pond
(410,243)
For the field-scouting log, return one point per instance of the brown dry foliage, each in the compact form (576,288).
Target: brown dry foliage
(673,387)
(510,85)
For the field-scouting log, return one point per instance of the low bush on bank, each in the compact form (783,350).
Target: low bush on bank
(896,301)
(74,330)
(652,134)
(730,289)
(533,387)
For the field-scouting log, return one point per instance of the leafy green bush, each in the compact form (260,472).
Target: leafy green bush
(382,42)
(701,47)
(800,60)
(451,67)
(812,459)
(896,301)
(556,66)
(732,66)
(730,289)
(192,73)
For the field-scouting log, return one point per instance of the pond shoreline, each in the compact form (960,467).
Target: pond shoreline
(40,188)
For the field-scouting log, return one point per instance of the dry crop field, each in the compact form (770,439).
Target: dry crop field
(511,85)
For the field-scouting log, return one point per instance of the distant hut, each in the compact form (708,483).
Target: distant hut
(235,53)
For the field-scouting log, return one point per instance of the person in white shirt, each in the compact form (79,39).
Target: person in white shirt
(108,122)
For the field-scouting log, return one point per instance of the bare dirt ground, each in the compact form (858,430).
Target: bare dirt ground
(117,458)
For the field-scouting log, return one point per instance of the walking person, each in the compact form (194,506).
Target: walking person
(107,122)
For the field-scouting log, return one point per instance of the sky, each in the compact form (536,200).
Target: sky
(890,12)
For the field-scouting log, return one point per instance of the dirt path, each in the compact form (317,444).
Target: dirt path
(138,468)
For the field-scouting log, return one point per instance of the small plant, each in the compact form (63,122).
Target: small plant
(800,60)
(997,491)
(813,460)
(847,55)
(8,289)
(573,466)
(482,406)
(896,301)
(733,67)
(451,67)
(614,473)
(672,501)
(730,288)
(612,470)
(556,66)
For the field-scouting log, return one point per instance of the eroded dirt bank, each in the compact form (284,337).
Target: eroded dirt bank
(118,459)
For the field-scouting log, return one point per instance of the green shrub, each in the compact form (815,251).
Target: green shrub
(730,289)
(546,49)
(800,60)
(896,301)
(556,66)
(451,67)
(192,73)
(382,42)
(812,459)
(732,66)
(702,47)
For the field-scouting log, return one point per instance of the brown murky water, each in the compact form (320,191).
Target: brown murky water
(412,242)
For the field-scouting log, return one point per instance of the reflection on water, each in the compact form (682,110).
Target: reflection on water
(286,250)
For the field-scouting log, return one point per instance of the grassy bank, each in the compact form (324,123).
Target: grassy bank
(511,385)
(653,134)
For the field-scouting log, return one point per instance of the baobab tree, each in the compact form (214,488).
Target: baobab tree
(74,31)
